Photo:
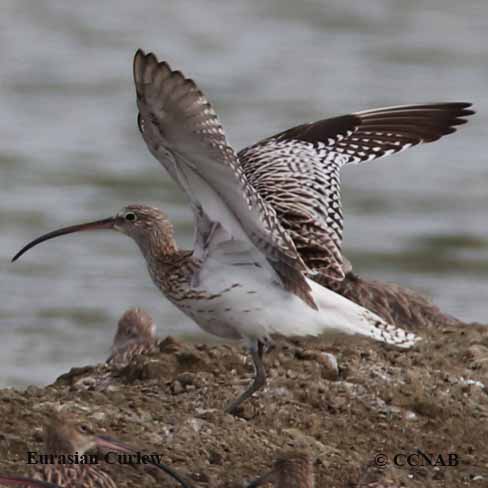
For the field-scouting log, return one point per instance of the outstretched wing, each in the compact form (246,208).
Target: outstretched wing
(298,171)
(184,133)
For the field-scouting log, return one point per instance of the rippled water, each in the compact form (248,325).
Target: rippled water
(70,150)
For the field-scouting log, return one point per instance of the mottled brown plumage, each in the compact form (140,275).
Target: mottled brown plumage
(65,460)
(66,436)
(135,336)
(290,470)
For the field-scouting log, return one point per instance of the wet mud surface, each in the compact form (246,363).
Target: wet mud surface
(379,401)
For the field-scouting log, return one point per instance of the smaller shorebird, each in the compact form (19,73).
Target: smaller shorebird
(66,462)
(291,470)
(135,335)
(268,220)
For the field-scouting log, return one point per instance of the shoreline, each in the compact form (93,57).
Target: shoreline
(379,401)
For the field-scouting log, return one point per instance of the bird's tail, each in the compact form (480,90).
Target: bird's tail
(393,303)
(346,316)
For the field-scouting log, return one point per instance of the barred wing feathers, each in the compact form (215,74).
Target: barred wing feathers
(292,177)
(298,171)
(183,132)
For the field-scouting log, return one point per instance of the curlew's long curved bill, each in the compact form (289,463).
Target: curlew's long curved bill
(109,443)
(96,225)
(25,482)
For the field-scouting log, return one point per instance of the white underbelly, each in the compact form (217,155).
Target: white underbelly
(248,302)
(245,303)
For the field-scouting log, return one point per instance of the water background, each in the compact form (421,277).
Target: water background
(70,150)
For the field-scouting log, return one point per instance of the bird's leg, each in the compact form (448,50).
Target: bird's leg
(257,352)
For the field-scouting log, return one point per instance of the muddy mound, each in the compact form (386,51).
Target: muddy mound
(359,407)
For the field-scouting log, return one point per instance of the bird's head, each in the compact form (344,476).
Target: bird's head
(135,325)
(148,226)
(67,435)
(140,221)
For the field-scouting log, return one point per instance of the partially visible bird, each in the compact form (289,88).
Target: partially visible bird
(267,221)
(67,441)
(135,336)
(67,436)
(290,470)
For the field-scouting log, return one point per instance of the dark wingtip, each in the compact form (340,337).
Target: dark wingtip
(464,105)
(456,113)
(458,104)
(461,109)
(423,123)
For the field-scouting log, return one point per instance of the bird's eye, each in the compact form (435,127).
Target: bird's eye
(130,216)
(84,428)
